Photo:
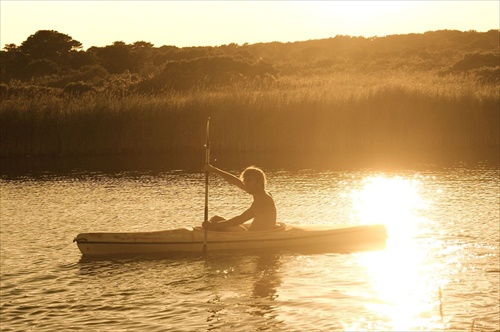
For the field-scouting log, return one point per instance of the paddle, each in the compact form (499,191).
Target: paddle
(207,161)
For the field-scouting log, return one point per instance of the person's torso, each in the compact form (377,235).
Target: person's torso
(264,213)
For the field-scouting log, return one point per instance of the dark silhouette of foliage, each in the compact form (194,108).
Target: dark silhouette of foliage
(114,58)
(383,96)
(78,88)
(41,67)
(47,54)
(44,53)
(476,60)
(120,57)
(203,72)
(4,89)
(13,63)
(79,59)
(487,75)
(94,75)
(141,54)
(49,44)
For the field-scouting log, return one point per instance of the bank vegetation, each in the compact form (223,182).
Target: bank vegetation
(430,96)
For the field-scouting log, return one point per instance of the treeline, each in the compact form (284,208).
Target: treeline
(53,60)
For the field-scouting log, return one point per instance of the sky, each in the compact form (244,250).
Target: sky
(214,23)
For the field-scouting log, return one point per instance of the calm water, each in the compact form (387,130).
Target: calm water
(439,271)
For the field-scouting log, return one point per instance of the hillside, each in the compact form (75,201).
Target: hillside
(55,60)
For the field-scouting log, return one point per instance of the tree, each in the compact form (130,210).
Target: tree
(12,63)
(115,58)
(80,59)
(49,44)
(140,57)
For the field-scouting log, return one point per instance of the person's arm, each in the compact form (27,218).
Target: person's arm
(238,220)
(229,178)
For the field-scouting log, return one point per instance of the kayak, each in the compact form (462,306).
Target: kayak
(336,238)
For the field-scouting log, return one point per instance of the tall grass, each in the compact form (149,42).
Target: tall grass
(391,116)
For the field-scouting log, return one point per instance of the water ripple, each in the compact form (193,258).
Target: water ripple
(450,262)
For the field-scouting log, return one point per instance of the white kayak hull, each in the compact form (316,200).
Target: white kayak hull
(339,238)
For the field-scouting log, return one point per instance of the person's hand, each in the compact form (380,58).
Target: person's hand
(216,219)
(208,168)
(209,224)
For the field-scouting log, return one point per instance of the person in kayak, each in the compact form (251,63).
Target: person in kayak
(262,210)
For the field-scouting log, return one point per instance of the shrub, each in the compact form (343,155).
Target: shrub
(203,73)
(476,60)
(487,75)
(42,67)
(4,90)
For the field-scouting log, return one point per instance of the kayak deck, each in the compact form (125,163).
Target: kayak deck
(324,237)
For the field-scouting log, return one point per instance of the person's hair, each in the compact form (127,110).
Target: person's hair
(254,172)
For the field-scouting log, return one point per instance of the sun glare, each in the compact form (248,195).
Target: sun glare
(404,282)
(390,201)
(401,275)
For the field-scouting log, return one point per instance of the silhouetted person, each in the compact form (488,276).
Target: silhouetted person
(262,210)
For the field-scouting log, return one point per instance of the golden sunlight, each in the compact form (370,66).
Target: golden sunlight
(389,201)
(401,275)
(405,284)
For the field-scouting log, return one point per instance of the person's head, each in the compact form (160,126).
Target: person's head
(254,179)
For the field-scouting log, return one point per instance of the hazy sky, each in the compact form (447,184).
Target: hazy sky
(212,23)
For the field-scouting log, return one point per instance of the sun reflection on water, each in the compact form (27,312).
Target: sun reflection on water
(390,201)
(405,287)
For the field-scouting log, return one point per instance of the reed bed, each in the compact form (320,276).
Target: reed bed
(385,116)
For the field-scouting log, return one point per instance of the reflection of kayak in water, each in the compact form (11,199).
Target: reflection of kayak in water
(334,238)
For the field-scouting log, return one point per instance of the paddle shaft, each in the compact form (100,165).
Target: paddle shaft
(207,161)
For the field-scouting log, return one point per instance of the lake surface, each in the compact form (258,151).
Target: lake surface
(439,270)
